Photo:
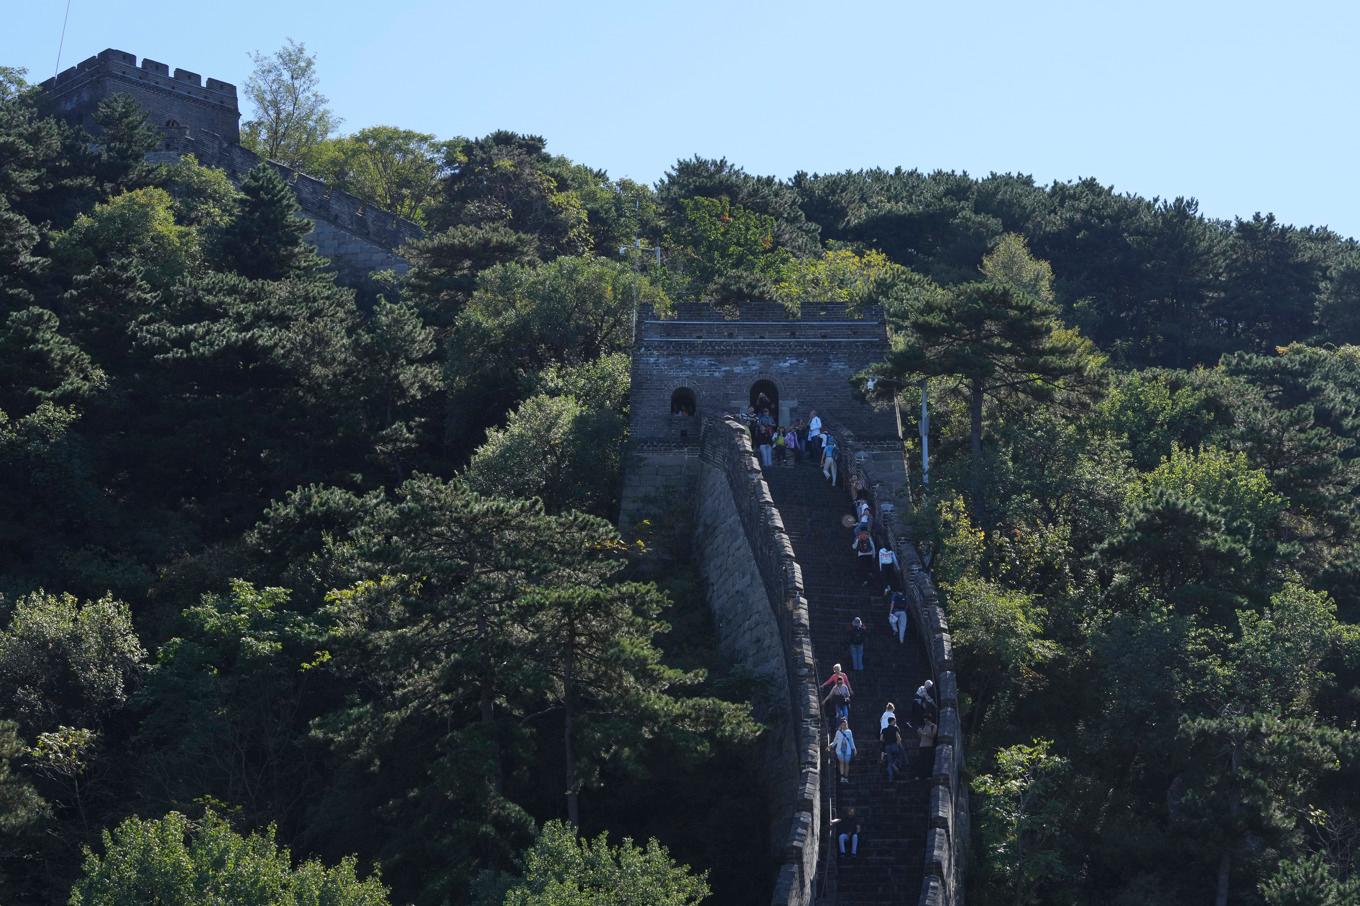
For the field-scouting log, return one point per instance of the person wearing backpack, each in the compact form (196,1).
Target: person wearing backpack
(865,554)
(844,746)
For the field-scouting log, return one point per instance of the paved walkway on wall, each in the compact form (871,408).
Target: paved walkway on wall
(892,816)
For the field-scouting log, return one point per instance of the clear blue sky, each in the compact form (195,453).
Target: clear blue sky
(1247,106)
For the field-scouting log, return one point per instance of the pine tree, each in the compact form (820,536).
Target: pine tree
(997,341)
(125,137)
(265,240)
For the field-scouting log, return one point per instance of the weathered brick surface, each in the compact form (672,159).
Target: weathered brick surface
(755,590)
(75,93)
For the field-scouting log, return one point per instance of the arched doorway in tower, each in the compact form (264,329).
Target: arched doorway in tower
(765,395)
(683,402)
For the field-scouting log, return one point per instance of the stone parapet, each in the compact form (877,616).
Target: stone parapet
(755,588)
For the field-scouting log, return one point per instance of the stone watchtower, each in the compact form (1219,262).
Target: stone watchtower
(203,119)
(698,365)
(179,101)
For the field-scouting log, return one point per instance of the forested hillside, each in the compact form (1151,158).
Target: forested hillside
(320,594)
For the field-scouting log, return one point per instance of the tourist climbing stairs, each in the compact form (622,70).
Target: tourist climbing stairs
(892,816)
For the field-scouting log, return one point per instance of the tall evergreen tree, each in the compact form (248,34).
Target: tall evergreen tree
(996,341)
(264,241)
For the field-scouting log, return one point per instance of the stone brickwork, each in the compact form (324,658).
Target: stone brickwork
(755,590)
(202,120)
(181,98)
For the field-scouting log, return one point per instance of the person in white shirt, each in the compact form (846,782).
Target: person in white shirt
(887,564)
(889,710)
(814,443)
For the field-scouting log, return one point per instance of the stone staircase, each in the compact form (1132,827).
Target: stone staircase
(892,817)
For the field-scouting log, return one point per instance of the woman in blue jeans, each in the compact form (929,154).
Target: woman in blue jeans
(857,644)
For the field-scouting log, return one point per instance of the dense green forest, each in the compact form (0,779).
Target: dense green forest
(318,595)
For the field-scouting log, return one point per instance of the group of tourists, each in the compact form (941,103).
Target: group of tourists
(892,736)
(879,563)
(780,444)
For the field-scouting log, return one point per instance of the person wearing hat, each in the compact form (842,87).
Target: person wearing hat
(856,644)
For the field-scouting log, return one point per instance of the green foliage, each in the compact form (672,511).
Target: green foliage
(1226,485)
(203,197)
(445,266)
(1156,410)
(997,637)
(39,365)
(63,661)
(222,705)
(1010,264)
(1308,881)
(175,862)
(292,116)
(562,870)
(139,225)
(555,449)
(265,238)
(1279,655)
(1022,820)
(510,180)
(524,319)
(839,276)
(723,254)
(125,136)
(396,169)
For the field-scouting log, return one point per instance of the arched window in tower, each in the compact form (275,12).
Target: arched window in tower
(683,402)
(765,399)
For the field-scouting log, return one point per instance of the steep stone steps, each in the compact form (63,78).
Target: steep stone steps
(892,817)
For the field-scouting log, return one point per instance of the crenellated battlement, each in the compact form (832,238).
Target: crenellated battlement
(179,99)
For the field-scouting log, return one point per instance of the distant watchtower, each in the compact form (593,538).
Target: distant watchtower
(699,364)
(181,100)
(204,120)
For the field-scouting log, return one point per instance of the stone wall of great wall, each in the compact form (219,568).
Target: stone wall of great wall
(755,590)
(699,465)
(202,118)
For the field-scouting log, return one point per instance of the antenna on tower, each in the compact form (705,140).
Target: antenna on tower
(62,43)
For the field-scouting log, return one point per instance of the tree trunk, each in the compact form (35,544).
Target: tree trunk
(486,698)
(1224,870)
(975,446)
(568,747)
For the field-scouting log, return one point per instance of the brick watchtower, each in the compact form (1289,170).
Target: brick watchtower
(698,364)
(179,100)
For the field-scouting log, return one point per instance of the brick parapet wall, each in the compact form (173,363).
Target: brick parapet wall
(883,470)
(732,486)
